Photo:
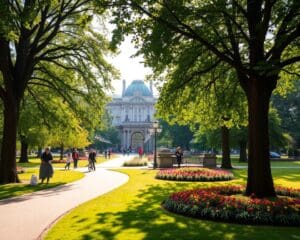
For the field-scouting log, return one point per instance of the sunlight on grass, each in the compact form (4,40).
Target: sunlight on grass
(60,177)
(134,211)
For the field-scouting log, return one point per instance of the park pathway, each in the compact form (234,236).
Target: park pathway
(27,217)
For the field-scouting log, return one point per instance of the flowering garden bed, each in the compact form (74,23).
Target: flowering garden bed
(229,204)
(194,174)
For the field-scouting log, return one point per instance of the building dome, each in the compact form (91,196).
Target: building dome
(137,87)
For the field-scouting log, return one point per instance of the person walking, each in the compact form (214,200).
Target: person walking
(75,156)
(140,152)
(109,153)
(178,155)
(46,169)
(92,159)
(69,160)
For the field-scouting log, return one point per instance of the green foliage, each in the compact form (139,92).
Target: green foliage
(63,76)
(174,135)
(277,139)
(108,132)
(289,112)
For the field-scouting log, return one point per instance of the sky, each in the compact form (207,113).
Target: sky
(131,68)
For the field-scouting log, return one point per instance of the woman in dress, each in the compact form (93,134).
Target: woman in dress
(46,169)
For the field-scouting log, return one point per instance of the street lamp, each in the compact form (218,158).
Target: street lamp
(155,129)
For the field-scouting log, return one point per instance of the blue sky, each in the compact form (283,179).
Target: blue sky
(130,68)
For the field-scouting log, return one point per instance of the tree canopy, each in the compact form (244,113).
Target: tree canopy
(258,39)
(48,44)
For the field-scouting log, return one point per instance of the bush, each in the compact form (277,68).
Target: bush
(136,162)
(195,174)
(228,204)
(58,161)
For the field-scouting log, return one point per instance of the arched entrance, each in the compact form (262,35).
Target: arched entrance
(137,140)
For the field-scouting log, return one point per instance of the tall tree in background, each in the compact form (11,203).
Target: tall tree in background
(219,104)
(288,107)
(257,38)
(175,134)
(39,39)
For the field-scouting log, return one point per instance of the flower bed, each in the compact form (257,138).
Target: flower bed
(228,204)
(194,174)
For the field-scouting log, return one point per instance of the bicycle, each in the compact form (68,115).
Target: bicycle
(91,166)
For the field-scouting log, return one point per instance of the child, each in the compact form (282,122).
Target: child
(69,160)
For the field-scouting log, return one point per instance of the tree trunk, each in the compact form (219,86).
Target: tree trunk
(24,150)
(61,151)
(243,151)
(226,161)
(8,167)
(260,181)
(39,152)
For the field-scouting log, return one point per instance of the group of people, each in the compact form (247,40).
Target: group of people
(126,151)
(46,168)
(107,153)
(74,157)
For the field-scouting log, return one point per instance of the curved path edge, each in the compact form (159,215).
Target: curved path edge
(27,217)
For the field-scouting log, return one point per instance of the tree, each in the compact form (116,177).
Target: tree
(39,39)
(287,106)
(31,130)
(277,138)
(178,135)
(258,39)
(239,138)
(217,105)
(106,135)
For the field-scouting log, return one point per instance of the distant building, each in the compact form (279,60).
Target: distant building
(133,114)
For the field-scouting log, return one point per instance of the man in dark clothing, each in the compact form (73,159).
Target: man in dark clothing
(178,155)
(75,156)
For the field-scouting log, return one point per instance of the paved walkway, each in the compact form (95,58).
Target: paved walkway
(26,217)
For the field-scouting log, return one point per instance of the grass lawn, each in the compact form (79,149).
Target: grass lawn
(134,211)
(60,177)
(35,162)
(282,163)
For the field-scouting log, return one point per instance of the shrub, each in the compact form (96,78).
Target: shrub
(194,174)
(136,162)
(228,204)
(58,161)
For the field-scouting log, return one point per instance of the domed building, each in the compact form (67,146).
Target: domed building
(133,114)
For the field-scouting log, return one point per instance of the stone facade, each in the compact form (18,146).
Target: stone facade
(133,114)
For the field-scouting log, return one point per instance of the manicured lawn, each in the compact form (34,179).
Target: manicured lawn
(60,177)
(35,162)
(282,163)
(134,211)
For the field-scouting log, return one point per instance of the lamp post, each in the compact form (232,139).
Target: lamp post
(155,129)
